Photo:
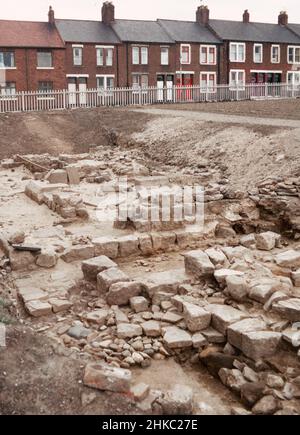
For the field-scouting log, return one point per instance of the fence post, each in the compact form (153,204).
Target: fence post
(22,102)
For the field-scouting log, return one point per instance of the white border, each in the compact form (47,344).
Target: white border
(237,61)
(208,46)
(262,52)
(279,53)
(190,54)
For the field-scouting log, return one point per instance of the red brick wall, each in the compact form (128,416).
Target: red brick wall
(26,75)
(249,64)
(89,63)
(195,65)
(154,67)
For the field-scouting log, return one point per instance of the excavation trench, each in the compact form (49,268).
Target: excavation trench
(202,318)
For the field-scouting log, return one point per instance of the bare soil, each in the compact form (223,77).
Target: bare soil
(64,132)
(284,109)
(33,381)
(242,153)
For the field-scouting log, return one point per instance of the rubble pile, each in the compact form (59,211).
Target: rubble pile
(278,198)
(126,294)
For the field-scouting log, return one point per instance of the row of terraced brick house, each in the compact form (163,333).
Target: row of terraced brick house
(110,52)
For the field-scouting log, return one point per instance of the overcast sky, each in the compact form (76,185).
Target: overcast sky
(261,10)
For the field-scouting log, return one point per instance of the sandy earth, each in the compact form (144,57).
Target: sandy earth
(243,154)
(62,132)
(284,109)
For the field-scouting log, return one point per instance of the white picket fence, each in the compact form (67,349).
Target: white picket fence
(64,99)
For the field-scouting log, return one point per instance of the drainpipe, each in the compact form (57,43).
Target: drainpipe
(118,70)
(127,64)
(27,69)
(219,65)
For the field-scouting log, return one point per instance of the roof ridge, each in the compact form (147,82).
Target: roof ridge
(241,22)
(179,21)
(135,20)
(24,21)
(78,19)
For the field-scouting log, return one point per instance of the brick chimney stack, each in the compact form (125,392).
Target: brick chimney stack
(283,18)
(108,13)
(246,16)
(51,16)
(202,15)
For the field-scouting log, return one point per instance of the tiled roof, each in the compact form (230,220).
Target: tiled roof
(141,31)
(188,31)
(255,32)
(29,34)
(86,32)
(295,28)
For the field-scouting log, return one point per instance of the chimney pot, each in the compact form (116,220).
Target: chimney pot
(108,13)
(246,16)
(202,15)
(51,16)
(283,18)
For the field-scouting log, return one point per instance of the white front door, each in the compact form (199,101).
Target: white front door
(160,88)
(82,92)
(170,85)
(72,93)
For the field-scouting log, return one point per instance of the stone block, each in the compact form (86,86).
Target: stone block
(289,259)
(236,331)
(151,328)
(223,316)
(106,246)
(38,308)
(107,378)
(128,246)
(139,304)
(196,318)
(176,338)
(56,176)
(78,252)
(120,291)
(128,330)
(260,344)
(198,264)
(93,266)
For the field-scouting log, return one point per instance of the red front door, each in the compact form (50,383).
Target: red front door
(184,80)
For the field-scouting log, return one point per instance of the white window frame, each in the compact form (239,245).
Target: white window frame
(135,55)
(109,59)
(294,47)
(6,91)
(75,47)
(105,77)
(37,59)
(208,47)
(99,58)
(237,71)
(138,87)
(293,73)
(105,91)
(181,57)
(279,53)
(144,55)
(105,50)
(14,60)
(207,74)
(261,54)
(237,44)
(162,62)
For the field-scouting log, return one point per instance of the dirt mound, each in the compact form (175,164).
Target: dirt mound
(64,132)
(244,154)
